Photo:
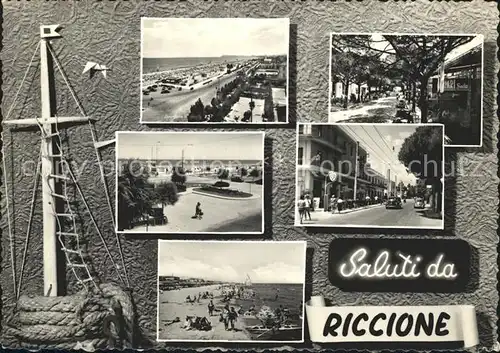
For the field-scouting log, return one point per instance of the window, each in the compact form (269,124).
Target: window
(301,129)
(300,156)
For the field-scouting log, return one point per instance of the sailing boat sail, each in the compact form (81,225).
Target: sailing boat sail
(248,281)
(85,319)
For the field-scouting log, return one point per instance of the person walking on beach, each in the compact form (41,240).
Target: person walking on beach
(211,308)
(277,294)
(225,316)
(232,317)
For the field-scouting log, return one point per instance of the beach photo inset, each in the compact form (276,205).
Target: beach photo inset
(231,291)
(409,78)
(370,176)
(214,70)
(190,182)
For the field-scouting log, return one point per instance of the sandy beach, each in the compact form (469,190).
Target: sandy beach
(172,304)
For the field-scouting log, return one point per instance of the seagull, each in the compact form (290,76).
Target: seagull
(93,67)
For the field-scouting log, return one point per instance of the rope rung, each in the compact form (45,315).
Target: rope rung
(56,176)
(52,155)
(67,233)
(48,136)
(78,265)
(59,196)
(70,215)
(71,251)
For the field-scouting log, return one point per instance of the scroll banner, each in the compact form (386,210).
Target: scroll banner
(391,324)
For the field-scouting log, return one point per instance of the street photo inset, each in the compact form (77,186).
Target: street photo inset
(409,78)
(370,176)
(217,291)
(190,182)
(214,70)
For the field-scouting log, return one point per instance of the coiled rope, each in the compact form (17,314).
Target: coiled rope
(93,320)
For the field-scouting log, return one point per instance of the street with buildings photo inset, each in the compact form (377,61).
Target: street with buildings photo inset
(231,291)
(409,78)
(214,70)
(190,182)
(370,176)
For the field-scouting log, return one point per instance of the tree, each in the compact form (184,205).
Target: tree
(135,195)
(254,173)
(166,194)
(422,153)
(423,55)
(179,178)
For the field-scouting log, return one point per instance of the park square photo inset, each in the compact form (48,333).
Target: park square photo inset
(214,70)
(409,78)
(190,182)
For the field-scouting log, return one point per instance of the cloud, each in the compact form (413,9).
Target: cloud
(278,272)
(182,267)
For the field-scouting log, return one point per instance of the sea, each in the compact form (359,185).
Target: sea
(289,296)
(150,65)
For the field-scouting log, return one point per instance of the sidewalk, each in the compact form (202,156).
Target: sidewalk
(319,214)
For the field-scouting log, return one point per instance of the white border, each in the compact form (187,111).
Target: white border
(304,243)
(357,225)
(117,172)
(231,124)
(481,132)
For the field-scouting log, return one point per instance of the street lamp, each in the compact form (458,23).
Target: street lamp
(182,160)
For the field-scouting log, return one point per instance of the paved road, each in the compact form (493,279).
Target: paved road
(381,217)
(175,106)
(379,111)
(220,215)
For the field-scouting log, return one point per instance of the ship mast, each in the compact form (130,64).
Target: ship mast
(49,155)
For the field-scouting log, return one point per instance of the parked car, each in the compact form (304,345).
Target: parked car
(419,203)
(394,202)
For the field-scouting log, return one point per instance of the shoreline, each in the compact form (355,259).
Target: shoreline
(173,310)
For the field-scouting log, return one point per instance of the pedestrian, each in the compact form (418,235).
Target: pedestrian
(211,308)
(301,205)
(307,208)
(233,315)
(340,204)
(333,204)
(225,316)
(198,213)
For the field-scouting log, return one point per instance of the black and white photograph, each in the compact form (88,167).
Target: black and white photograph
(190,182)
(409,78)
(231,291)
(214,70)
(370,176)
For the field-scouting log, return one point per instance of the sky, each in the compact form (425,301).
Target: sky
(380,44)
(198,146)
(378,141)
(263,262)
(214,37)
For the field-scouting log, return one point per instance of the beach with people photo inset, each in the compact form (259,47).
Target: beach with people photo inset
(190,182)
(234,291)
(409,78)
(214,70)
(370,176)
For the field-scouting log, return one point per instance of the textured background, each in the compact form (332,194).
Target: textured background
(109,33)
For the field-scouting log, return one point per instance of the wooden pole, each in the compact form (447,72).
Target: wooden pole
(48,184)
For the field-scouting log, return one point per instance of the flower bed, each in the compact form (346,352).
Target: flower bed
(212,190)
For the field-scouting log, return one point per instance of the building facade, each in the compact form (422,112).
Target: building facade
(327,166)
